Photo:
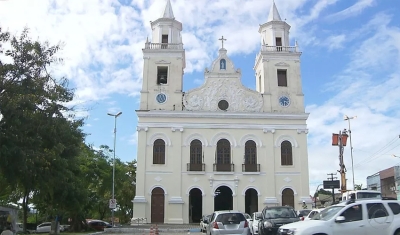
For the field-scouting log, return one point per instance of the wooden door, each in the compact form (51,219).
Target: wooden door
(157,205)
(288,197)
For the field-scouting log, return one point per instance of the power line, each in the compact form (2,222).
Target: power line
(375,155)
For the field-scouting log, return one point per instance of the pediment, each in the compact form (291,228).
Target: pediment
(229,90)
(222,65)
(282,64)
(162,62)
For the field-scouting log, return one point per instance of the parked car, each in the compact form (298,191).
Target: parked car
(99,225)
(30,228)
(247,217)
(228,222)
(253,225)
(304,213)
(274,217)
(43,227)
(204,222)
(355,217)
(313,213)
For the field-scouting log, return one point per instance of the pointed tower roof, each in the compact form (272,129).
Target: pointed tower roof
(168,13)
(273,13)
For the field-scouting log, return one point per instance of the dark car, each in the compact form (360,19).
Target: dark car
(274,217)
(99,225)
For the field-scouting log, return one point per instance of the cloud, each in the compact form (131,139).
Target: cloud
(133,139)
(368,88)
(351,11)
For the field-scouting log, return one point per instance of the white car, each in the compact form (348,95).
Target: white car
(313,213)
(43,227)
(253,225)
(363,217)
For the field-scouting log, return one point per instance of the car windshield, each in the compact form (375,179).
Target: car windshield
(230,218)
(304,212)
(258,215)
(327,213)
(283,212)
(361,195)
(247,216)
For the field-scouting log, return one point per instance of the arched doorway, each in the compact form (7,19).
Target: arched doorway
(288,197)
(251,201)
(223,199)
(157,205)
(195,205)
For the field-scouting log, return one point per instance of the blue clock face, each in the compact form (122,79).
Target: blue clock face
(161,98)
(284,101)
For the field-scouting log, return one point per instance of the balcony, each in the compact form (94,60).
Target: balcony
(159,46)
(196,167)
(224,167)
(250,167)
(279,48)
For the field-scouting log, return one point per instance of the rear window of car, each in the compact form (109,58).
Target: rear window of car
(395,207)
(230,218)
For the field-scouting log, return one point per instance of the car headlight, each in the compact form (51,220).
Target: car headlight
(290,231)
(267,224)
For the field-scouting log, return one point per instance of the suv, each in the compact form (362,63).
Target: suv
(363,217)
(228,222)
(274,217)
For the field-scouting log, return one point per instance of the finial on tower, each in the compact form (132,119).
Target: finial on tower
(273,13)
(168,13)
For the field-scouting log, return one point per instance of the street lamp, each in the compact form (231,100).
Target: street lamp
(113,172)
(347,118)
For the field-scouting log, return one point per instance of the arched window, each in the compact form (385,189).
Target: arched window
(250,152)
(159,152)
(286,153)
(223,152)
(223,156)
(196,151)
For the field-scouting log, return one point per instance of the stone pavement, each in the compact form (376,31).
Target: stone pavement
(162,229)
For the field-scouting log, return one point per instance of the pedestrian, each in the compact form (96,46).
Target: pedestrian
(304,205)
(7,231)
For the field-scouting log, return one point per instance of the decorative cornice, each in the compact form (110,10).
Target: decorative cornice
(173,129)
(221,115)
(266,130)
(270,128)
(299,131)
(142,128)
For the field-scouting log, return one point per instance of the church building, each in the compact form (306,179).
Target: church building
(222,145)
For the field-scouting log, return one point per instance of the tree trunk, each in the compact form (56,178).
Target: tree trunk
(25,201)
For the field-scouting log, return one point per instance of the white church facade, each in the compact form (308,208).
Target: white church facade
(221,145)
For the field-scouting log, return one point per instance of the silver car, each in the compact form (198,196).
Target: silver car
(228,222)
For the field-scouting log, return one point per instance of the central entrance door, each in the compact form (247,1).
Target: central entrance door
(223,199)
(157,205)
(195,205)
(288,197)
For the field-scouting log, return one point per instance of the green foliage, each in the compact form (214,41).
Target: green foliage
(358,186)
(44,160)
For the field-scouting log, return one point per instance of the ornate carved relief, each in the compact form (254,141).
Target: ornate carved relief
(163,62)
(282,64)
(240,98)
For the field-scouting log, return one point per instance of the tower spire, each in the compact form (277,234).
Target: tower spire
(273,13)
(168,13)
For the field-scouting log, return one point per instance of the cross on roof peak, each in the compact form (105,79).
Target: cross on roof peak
(222,39)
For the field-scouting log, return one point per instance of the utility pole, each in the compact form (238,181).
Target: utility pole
(341,140)
(333,189)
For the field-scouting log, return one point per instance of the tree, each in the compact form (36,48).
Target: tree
(40,136)
(358,186)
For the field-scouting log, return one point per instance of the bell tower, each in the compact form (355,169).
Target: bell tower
(277,67)
(164,62)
